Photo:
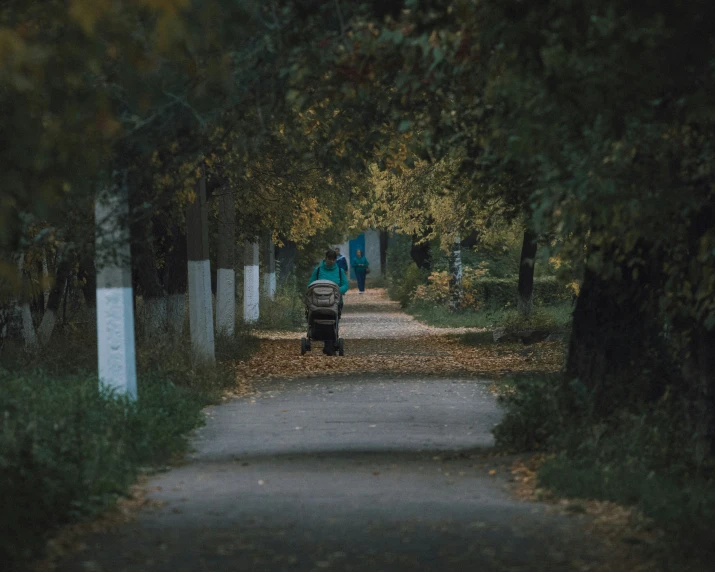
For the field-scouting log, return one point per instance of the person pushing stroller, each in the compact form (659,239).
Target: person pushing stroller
(327,270)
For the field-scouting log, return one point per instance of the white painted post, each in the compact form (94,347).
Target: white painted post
(115,309)
(200,302)
(269,261)
(251,282)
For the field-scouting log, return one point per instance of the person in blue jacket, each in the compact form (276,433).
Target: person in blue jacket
(361,267)
(341,260)
(329,270)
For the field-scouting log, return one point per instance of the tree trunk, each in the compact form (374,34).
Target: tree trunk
(226,275)
(699,370)
(384,236)
(420,253)
(525,302)
(49,319)
(612,343)
(269,264)
(455,276)
(175,281)
(28,327)
(287,259)
(154,314)
(45,280)
(116,351)
(199,271)
(251,282)
(87,278)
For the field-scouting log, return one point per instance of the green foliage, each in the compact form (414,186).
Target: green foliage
(638,456)
(556,318)
(502,291)
(67,449)
(485,292)
(535,412)
(398,256)
(404,276)
(286,312)
(403,289)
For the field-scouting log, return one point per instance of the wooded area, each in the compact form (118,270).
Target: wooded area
(158,154)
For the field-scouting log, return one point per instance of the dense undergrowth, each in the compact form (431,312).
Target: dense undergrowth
(640,456)
(69,449)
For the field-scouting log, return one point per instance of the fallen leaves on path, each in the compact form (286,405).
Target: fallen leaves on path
(426,355)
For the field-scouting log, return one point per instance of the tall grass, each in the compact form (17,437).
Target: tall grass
(556,317)
(68,449)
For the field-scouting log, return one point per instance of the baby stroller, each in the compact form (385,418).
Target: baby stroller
(322,309)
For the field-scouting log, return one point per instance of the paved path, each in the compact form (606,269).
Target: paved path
(364,473)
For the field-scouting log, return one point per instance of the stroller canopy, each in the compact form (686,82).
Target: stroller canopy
(322,295)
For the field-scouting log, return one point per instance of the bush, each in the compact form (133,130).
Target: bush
(534,412)
(480,291)
(503,291)
(640,455)
(543,318)
(404,289)
(68,449)
(285,312)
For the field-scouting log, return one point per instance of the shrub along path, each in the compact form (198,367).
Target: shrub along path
(384,467)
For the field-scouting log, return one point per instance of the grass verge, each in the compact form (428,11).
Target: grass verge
(69,450)
(556,318)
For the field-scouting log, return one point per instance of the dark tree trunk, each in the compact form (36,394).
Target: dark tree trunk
(699,363)
(175,275)
(471,240)
(699,370)
(526,273)
(146,271)
(420,253)
(47,326)
(287,259)
(176,279)
(384,237)
(614,347)
(87,278)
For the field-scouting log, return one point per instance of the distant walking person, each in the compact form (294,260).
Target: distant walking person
(362,268)
(341,261)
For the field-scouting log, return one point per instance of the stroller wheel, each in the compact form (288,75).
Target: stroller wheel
(304,346)
(341,347)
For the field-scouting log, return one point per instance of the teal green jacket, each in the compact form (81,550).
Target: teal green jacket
(360,264)
(334,274)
